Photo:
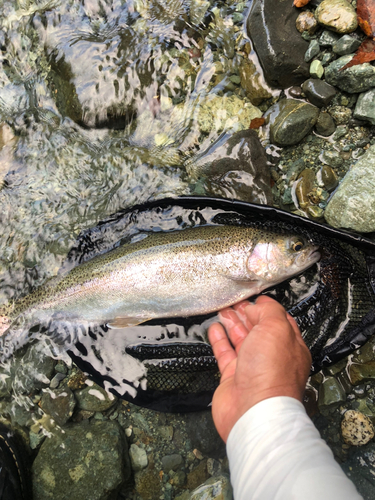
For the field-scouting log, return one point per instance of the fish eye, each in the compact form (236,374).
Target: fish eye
(297,246)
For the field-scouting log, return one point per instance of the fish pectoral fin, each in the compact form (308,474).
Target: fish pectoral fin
(123,322)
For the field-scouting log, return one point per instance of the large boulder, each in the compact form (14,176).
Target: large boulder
(271,25)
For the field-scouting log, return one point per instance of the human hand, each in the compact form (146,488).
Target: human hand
(261,356)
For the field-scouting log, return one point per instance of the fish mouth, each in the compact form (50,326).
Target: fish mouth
(315,254)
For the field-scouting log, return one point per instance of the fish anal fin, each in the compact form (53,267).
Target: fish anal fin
(123,322)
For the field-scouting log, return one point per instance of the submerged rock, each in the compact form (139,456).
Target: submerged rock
(215,488)
(330,393)
(84,461)
(337,15)
(279,46)
(293,121)
(356,428)
(234,165)
(353,204)
(58,404)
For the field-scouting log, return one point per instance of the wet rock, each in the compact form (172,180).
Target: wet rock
(361,372)
(328,38)
(32,371)
(293,122)
(319,93)
(355,79)
(365,107)
(203,435)
(360,468)
(330,393)
(305,184)
(279,46)
(327,178)
(234,166)
(94,398)
(337,15)
(325,124)
(251,82)
(55,382)
(138,457)
(356,428)
(215,488)
(353,204)
(332,158)
(213,467)
(306,22)
(346,45)
(171,462)
(312,51)
(341,114)
(58,404)
(197,476)
(217,113)
(316,69)
(148,484)
(84,461)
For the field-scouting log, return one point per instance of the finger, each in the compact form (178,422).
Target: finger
(223,350)
(294,325)
(240,310)
(237,331)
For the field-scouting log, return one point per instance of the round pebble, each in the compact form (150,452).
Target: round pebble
(356,428)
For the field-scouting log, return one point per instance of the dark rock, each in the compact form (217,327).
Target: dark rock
(203,435)
(171,462)
(328,38)
(358,78)
(59,405)
(330,393)
(318,93)
(293,121)
(197,476)
(234,166)
(325,125)
(361,372)
(346,45)
(148,484)
(365,107)
(312,51)
(360,468)
(94,398)
(31,371)
(279,46)
(84,461)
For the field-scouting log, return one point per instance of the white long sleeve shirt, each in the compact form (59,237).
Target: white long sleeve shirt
(276,453)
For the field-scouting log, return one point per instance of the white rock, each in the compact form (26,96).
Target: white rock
(356,428)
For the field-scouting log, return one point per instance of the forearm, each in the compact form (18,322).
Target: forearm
(276,453)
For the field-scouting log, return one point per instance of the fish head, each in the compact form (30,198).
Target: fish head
(279,257)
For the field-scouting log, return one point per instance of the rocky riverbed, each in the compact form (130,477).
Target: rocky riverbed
(104,104)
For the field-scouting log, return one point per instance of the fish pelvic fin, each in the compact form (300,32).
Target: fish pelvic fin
(123,322)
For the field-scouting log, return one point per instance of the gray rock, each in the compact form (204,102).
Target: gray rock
(312,51)
(138,457)
(360,468)
(84,461)
(337,15)
(353,204)
(365,107)
(94,398)
(318,93)
(293,122)
(325,124)
(31,371)
(346,45)
(204,436)
(171,462)
(330,393)
(328,38)
(233,163)
(279,46)
(215,488)
(58,404)
(56,380)
(355,79)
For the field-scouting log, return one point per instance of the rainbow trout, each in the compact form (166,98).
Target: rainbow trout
(167,274)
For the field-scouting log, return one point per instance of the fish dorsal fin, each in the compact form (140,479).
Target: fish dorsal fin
(123,322)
